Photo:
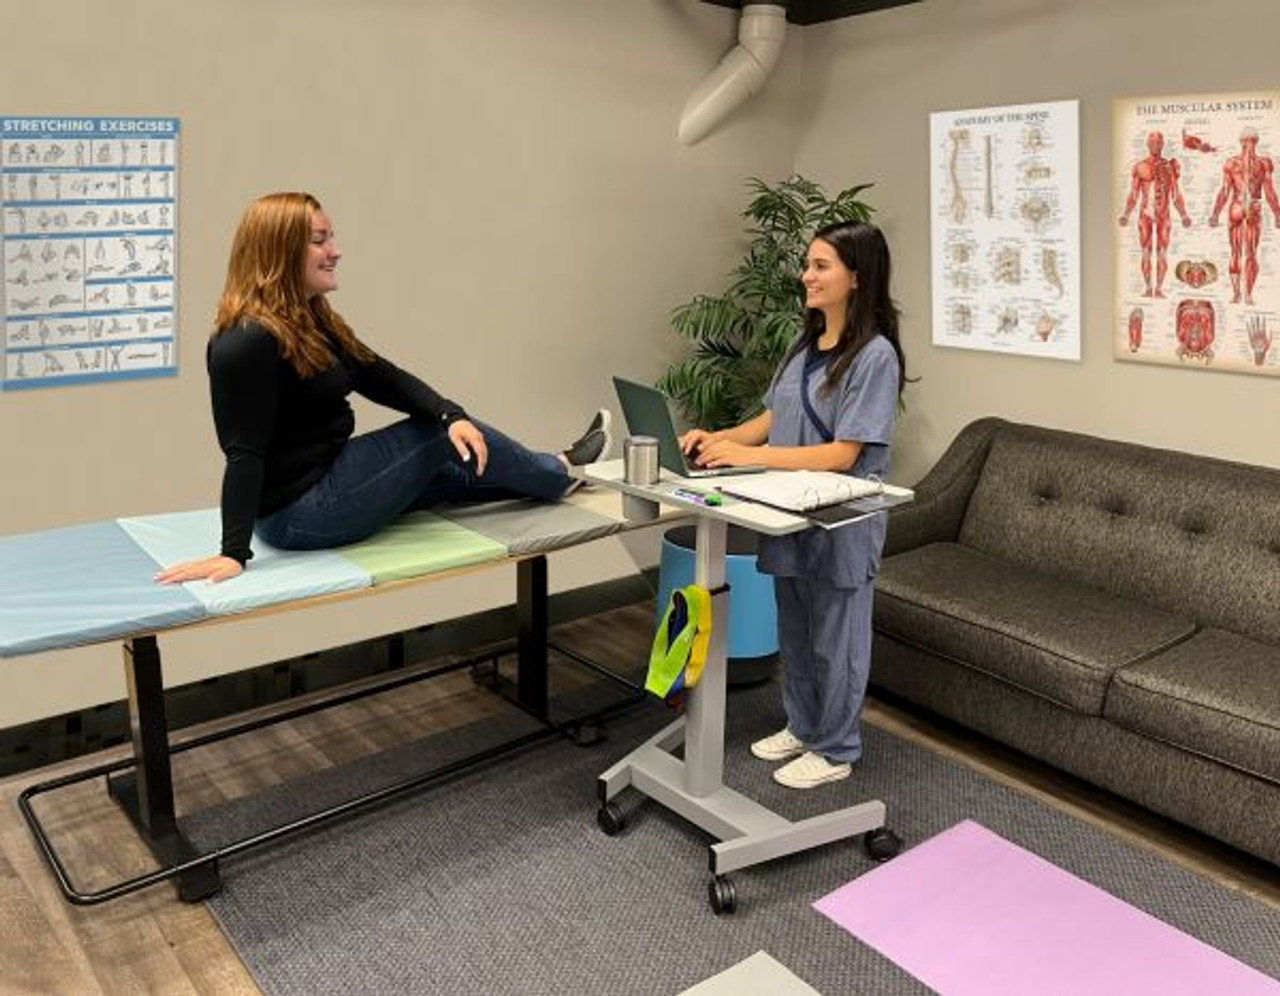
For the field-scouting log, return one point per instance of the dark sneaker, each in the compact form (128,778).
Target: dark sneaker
(600,420)
(593,444)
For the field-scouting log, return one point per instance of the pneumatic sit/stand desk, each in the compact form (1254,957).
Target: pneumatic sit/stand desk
(747,833)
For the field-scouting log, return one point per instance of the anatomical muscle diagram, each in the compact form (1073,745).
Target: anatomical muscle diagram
(1198,231)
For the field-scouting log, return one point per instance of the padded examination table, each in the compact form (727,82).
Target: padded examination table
(93,583)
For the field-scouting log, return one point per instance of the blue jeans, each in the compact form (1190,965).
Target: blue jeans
(406,466)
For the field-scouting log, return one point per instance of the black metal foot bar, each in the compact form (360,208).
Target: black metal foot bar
(208,862)
(598,668)
(146,791)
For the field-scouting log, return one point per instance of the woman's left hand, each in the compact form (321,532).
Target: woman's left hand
(726,453)
(469,442)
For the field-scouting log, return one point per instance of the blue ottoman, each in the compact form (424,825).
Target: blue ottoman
(753,614)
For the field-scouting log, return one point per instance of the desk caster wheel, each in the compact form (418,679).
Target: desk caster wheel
(610,819)
(882,843)
(722,895)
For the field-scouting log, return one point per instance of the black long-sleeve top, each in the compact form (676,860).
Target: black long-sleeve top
(281,432)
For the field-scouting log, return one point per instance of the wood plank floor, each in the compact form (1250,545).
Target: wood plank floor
(150,942)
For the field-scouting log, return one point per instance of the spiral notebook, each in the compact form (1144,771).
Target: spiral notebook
(801,490)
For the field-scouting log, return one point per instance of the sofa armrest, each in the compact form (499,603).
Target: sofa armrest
(942,496)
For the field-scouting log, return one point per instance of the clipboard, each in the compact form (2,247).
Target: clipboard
(802,491)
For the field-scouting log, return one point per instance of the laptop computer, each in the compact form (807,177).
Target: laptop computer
(647,414)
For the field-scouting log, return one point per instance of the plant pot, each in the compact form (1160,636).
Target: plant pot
(752,649)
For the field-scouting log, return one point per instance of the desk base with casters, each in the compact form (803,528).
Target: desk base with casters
(693,787)
(748,833)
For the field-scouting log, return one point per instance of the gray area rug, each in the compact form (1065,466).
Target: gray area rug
(499,881)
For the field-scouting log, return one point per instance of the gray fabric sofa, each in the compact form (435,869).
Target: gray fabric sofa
(1109,608)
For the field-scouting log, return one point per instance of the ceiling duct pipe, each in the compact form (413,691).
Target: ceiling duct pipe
(741,73)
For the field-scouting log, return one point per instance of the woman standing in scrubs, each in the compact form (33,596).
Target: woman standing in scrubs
(831,406)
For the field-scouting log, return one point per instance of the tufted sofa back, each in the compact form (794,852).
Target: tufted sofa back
(1192,535)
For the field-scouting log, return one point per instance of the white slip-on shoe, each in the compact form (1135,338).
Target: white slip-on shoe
(778,747)
(810,770)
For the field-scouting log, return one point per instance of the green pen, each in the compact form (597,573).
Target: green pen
(699,497)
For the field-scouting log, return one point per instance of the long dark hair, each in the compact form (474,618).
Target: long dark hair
(862,248)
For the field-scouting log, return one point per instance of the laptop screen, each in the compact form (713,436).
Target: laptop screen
(647,413)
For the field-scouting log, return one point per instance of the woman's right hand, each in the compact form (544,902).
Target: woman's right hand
(694,440)
(469,442)
(211,569)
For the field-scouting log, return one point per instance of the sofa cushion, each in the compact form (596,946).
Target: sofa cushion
(1054,638)
(1216,695)
(1191,535)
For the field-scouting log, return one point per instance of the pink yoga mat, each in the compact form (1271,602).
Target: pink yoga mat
(969,912)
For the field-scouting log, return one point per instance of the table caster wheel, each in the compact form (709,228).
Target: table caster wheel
(882,843)
(721,893)
(586,734)
(611,819)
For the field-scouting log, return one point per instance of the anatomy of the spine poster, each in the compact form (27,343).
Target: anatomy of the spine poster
(1197,246)
(88,249)
(1006,229)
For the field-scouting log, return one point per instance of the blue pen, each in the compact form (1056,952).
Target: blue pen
(699,497)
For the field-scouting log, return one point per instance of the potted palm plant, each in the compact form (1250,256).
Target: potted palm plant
(737,340)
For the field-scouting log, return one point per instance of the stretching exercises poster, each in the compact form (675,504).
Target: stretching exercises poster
(1197,258)
(88,249)
(1005,210)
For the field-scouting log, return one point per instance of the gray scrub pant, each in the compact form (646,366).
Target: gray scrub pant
(824,639)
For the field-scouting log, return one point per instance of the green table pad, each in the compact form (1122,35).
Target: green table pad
(420,543)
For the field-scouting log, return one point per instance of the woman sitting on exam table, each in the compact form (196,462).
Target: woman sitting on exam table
(831,406)
(281,363)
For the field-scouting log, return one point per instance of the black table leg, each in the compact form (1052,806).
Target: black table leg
(146,792)
(531,634)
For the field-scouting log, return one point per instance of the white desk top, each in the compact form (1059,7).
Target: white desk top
(750,515)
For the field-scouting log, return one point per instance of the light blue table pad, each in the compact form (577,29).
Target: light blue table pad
(273,576)
(89,583)
(82,584)
(526,527)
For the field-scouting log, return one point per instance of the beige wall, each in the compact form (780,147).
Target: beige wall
(518,220)
(868,86)
(517,216)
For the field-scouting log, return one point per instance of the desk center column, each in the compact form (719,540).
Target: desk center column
(704,721)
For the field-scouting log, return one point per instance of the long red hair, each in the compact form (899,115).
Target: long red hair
(265,285)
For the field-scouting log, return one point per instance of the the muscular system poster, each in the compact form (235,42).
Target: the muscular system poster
(1197,239)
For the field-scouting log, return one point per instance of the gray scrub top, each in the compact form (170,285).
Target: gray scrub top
(861,409)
